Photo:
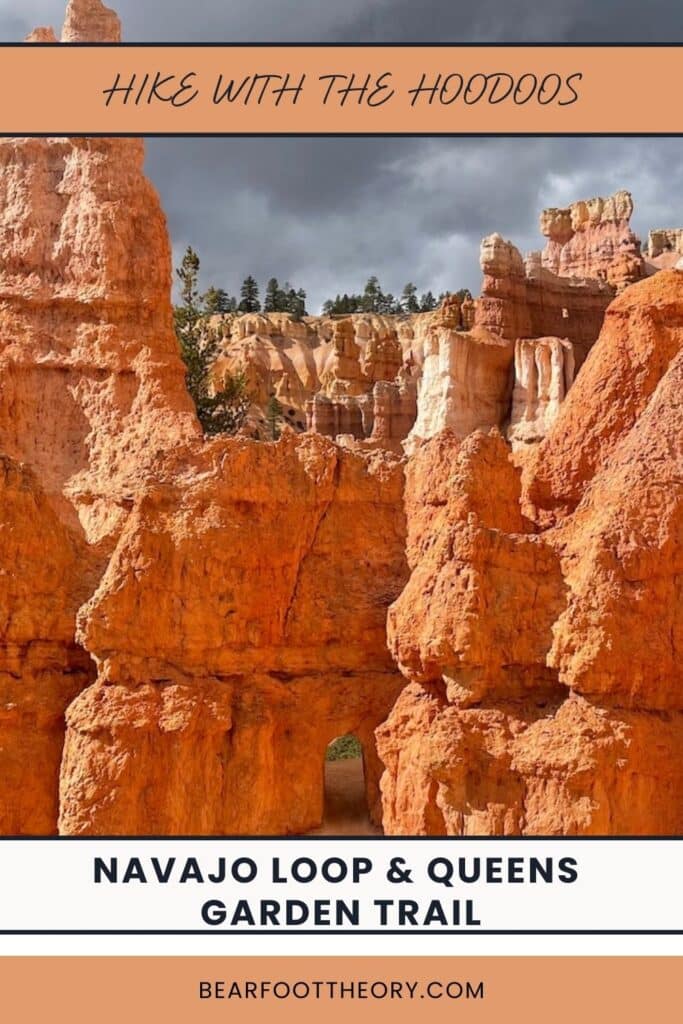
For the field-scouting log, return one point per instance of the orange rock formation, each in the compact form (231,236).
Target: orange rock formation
(523,299)
(543,661)
(242,614)
(459,358)
(89,21)
(186,624)
(86,322)
(43,580)
(115,472)
(593,238)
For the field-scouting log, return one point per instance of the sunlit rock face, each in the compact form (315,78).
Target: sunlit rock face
(544,373)
(541,631)
(86,325)
(593,238)
(239,628)
(665,240)
(466,384)
(92,393)
(493,609)
(89,21)
(521,298)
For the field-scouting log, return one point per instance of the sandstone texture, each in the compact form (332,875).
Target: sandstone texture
(115,499)
(85,325)
(523,299)
(89,21)
(593,238)
(243,612)
(91,391)
(665,240)
(117,476)
(540,630)
(352,376)
(641,336)
(466,383)
(394,381)
(42,668)
(41,35)
(544,373)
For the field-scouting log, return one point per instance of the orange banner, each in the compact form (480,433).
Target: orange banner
(262,90)
(400,989)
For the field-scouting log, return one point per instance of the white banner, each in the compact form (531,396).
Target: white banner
(303,886)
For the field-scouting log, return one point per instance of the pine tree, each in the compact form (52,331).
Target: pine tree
(219,410)
(387,304)
(427,303)
(188,275)
(217,300)
(273,416)
(249,296)
(409,302)
(273,298)
(296,303)
(343,304)
(187,322)
(372,296)
(225,410)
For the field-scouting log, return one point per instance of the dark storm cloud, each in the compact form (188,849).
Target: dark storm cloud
(372,20)
(327,213)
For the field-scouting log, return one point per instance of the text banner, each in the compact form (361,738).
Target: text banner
(246,989)
(305,886)
(50,89)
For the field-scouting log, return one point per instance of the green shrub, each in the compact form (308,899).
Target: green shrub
(344,748)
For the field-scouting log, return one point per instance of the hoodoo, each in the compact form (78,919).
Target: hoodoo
(464,552)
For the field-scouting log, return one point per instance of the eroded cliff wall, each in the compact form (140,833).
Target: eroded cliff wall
(239,629)
(92,381)
(541,630)
(233,595)
(186,624)
(593,238)
(44,576)
(91,390)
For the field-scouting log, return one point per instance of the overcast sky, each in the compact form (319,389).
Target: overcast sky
(326,213)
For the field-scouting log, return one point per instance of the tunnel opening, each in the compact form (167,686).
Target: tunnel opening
(345,802)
